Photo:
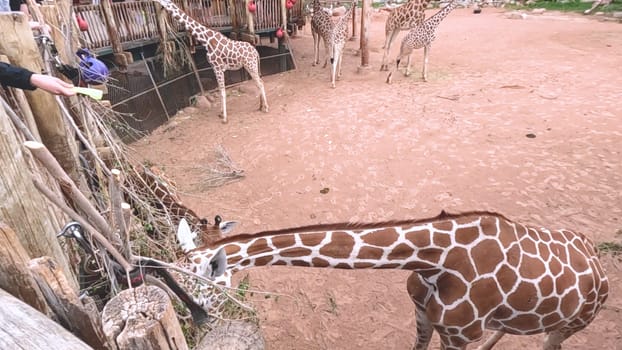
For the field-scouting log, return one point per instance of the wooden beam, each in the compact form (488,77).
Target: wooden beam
(22,327)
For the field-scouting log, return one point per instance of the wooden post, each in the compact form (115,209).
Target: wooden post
(249,18)
(143,318)
(63,25)
(354,20)
(111,26)
(22,327)
(23,208)
(14,275)
(19,46)
(82,319)
(365,19)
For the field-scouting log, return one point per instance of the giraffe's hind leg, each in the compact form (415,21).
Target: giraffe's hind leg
(554,339)
(390,36)
(254,73)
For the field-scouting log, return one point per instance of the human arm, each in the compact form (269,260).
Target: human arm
(22,78)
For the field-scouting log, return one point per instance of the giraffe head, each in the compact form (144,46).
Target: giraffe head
(209,233)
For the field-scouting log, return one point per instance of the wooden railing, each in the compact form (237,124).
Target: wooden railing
(136,20)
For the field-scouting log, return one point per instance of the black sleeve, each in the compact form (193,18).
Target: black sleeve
(15,76)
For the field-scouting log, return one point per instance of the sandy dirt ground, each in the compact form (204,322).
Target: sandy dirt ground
(407,150)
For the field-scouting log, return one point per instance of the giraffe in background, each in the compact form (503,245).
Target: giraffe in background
(401,18)
(321,29)
(471,271)
(421,36)
(222,53)
(338,38)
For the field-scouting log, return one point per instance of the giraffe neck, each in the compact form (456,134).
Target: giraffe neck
(440,15)
(316,6)
(420,246)
(196,29)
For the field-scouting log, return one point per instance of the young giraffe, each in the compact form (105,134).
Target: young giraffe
(401,18)
(222,53)
(471,271)
(338,36)
(321,28)
(418,37)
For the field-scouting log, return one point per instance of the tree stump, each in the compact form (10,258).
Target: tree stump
(22,327)
(142,318)
(233,335)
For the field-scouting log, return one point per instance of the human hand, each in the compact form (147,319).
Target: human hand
(52,85)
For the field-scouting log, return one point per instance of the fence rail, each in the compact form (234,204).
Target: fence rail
(137,20)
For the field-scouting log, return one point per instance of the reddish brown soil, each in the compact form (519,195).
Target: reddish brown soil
(409,150)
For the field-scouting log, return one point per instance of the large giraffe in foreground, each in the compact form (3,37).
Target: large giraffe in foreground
(471,271)
(401,18)
(222,53)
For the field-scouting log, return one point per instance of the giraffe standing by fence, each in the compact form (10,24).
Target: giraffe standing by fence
(401,18)
(471,271)
(321,29)
(338,36)
(418,37)
(222,53)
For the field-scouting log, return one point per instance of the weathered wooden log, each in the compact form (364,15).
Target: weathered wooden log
(142,318)
(23,208)
(22,327)
(233,335)
(80,317)
(15,277)
(19,46)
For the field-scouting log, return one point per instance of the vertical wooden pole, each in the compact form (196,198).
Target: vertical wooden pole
(249,18)
(354,20)
(365,19)
(111,26)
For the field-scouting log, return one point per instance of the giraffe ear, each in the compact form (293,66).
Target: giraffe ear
(218,264)
(227,226)
(185,236)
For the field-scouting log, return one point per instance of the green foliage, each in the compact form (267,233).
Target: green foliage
(572,6)
(612,248)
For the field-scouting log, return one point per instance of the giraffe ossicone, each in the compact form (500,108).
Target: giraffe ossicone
(471,271)
(222,53)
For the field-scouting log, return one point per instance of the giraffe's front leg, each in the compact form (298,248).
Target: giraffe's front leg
(407,72)
(220,79)
(426,51)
